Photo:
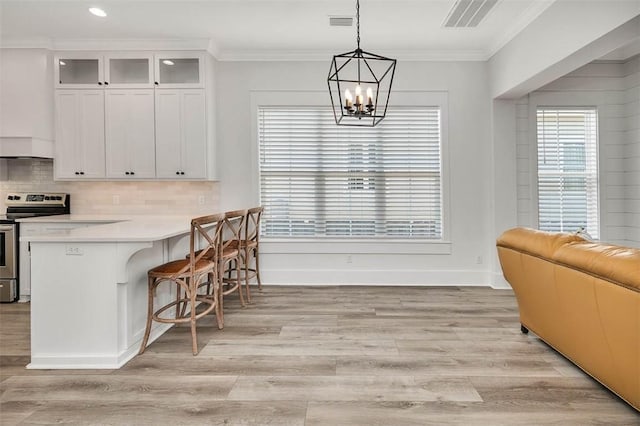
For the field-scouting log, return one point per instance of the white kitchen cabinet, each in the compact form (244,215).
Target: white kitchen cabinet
(128,70)
(88,70)
(181,133)
(130,133)
(29,230)
(76,70)
(175,70)
(80,137)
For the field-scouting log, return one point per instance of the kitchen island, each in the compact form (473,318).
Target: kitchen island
(89,287)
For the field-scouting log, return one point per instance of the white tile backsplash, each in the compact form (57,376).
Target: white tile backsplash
(160,197)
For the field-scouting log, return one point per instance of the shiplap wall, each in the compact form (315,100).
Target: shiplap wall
(632,152)
(614,89)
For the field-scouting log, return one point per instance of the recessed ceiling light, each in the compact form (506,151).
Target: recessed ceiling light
(167,62)
(98,12)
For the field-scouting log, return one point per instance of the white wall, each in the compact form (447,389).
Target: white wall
(469,180)
(613,88)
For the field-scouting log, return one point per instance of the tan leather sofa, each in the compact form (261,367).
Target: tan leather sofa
(582,298)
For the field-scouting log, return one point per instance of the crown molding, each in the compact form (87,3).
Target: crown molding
(109,44)
(306,55)
(270,55)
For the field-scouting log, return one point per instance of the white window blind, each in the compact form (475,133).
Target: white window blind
(568,169)
(319,179)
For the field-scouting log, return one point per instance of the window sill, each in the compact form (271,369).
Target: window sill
(352,246)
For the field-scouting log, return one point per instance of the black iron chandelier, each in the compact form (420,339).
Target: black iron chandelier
(370,76)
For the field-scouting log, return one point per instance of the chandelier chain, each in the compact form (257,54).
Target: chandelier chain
(358,21)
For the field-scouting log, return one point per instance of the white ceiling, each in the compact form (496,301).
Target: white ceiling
(267,29)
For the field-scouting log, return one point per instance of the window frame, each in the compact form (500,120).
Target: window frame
(374,244)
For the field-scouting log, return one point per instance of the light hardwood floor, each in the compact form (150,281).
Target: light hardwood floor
(322,356)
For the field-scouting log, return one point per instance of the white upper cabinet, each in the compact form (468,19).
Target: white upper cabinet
(80,146)
(181,134)
(128,70)
(175,70)
(130,134)
(81,70)
(78,71)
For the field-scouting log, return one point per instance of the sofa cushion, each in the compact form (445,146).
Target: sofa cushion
(618,264)
(535,242)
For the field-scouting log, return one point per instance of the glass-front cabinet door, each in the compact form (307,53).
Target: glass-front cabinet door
(78,71)
(175,70)
(132,70)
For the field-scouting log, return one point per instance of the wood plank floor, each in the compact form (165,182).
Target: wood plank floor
(322,356)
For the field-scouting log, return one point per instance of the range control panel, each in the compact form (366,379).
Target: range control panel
(18,199)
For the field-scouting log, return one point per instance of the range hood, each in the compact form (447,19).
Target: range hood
(25,147)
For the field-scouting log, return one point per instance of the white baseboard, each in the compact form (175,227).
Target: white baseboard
(374,277)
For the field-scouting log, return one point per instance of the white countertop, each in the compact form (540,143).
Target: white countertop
(113,228)
(80,218)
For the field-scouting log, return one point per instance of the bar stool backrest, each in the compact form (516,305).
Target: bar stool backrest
(207,230)
(234,223)
(253,223)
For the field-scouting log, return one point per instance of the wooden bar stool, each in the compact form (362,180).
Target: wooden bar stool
(230,255)
(188,275)
(251,248)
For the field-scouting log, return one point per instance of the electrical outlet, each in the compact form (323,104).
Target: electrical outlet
(116,200)
(479,260)
(349,259)
(201,200)
(71,250)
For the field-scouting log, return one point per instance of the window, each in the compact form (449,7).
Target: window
(568,169)
(322,180)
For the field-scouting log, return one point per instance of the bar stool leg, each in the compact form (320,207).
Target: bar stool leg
(147,330)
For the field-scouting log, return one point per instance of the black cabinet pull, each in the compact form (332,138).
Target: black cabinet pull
(182,173)
(82,173)
(126,173)
(99,83)
(133,173)
(77,173)
(177,173)
(156,83)
(106,83)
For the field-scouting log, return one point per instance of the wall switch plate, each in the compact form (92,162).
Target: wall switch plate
(201,200)
(71,250)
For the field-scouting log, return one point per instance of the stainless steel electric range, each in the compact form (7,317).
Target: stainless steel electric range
(22,205)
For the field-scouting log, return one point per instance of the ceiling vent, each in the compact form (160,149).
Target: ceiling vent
(341,21)
(468,13)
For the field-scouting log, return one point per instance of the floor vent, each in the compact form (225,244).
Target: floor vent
(468,13)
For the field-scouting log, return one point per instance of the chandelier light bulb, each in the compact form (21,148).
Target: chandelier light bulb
(369,96)
(348,99)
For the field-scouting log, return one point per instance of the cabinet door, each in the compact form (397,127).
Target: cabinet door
(80,134)
(194,134)
(175,70)
(181,146)
(130,134)
(78,71)
(128,70)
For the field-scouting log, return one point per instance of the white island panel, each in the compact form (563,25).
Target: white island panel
(89,298)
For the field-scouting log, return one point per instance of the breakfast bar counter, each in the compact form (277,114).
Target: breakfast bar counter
(89,287)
